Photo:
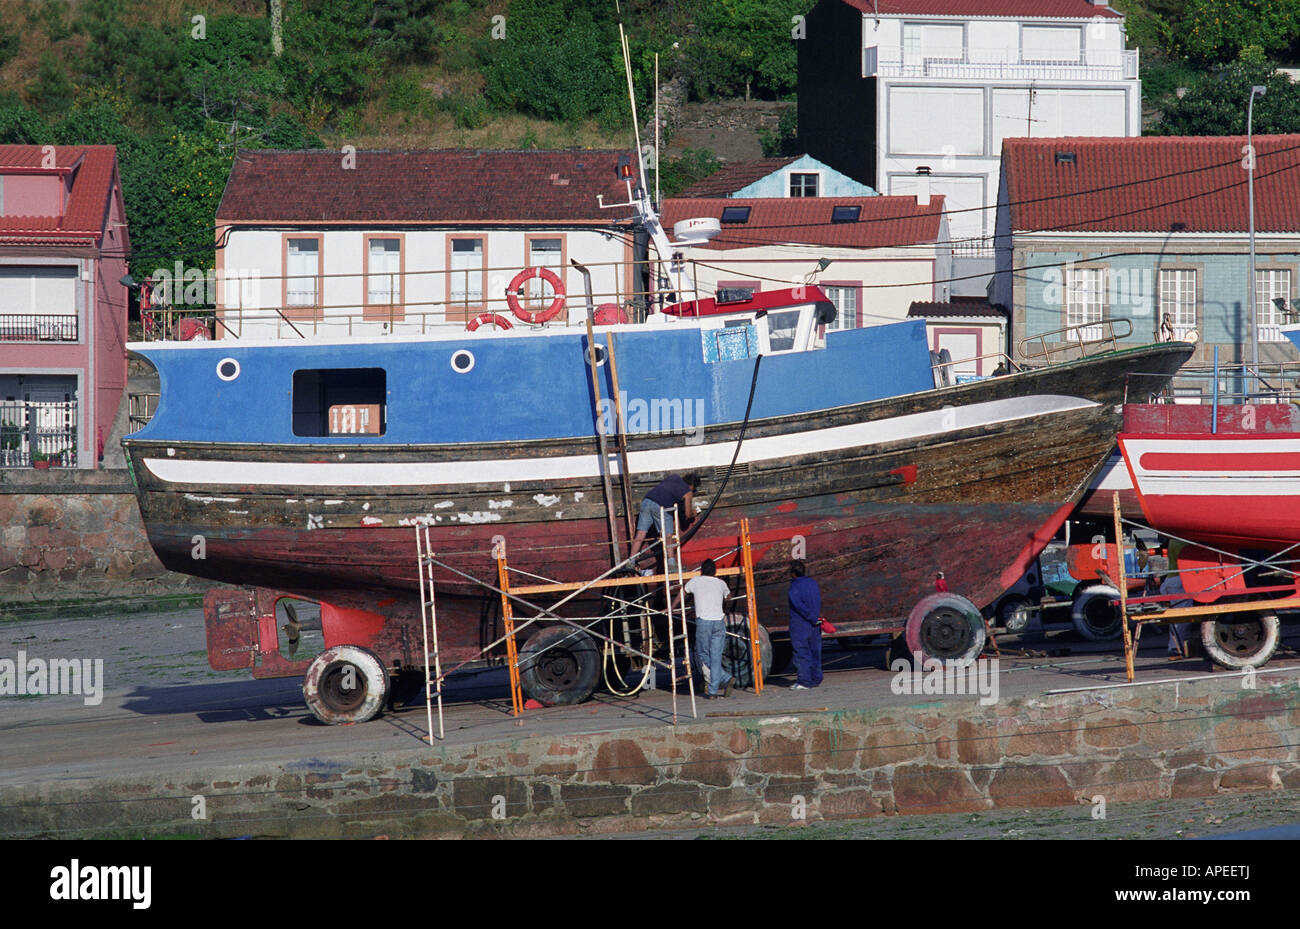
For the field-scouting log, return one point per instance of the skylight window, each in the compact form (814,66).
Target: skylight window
(845,214)
(735,214)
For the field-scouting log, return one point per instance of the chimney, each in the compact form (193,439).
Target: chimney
(923,186)
(1099,2)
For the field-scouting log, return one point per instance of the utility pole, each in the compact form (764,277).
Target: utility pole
(1256,91)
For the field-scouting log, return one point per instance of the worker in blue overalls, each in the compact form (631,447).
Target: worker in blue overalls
(805,626)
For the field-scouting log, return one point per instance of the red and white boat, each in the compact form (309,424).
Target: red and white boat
(1226,475)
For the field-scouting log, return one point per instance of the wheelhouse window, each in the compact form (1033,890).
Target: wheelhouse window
(303,278)
(340,402)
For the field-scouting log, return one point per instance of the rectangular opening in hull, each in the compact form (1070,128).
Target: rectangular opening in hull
(340,401)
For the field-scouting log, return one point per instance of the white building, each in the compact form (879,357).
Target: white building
(891,88)
(873,256)
(311,243)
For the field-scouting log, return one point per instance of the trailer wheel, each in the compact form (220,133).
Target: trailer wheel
(737,656)
(947,628)
(1094,616)
(559,666)
(1014,612)
(345,684)
(1247,642)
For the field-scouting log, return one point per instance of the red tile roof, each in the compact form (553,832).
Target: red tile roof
(431,186)
(959,307)
(1019,9)
(1152,184)
(731,178)
(93,168)
(884,221)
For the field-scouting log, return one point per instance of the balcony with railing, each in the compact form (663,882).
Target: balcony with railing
(38,434)
(1000,64)
(38,327)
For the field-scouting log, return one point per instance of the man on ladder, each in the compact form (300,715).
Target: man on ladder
(672,496)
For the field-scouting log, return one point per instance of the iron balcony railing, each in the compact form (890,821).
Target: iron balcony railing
(37,433)
(38,327)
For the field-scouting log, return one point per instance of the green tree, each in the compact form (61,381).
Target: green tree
(328,59)
(1217,30)
(173,184)
(224,72)
(10,41)
(1217,104)
(22,125)
(555,62)
(694,164)
(52,91)
(744,47)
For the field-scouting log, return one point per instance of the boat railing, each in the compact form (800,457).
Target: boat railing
(265,306)
(1078,341)
(959,371)
(1277,382)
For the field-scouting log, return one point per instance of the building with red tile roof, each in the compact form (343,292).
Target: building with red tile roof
(882,253)
(1091,231)
(63,250)
(373,242)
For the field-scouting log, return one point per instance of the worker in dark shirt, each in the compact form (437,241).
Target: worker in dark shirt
(805,626)
(671,496)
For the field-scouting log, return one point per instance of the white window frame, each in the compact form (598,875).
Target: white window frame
(1085,300)
(1178,300)
(1269,284)
(302,289)
(383,287)
(817,183)
(845,318)
(466,286)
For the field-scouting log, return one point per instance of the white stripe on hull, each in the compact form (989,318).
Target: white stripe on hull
(210,473)
(1212,483)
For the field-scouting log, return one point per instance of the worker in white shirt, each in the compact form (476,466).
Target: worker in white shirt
(710,593)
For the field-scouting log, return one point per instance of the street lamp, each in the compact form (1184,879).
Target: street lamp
(1256,91)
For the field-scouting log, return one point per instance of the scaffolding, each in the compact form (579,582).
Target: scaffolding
(1156,610)
(612,584)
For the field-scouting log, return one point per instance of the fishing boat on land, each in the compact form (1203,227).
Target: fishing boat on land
(303,466)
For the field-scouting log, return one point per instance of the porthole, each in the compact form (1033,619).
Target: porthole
(600,356)
(227,369)
(462,361)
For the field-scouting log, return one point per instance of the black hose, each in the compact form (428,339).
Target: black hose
(744,424)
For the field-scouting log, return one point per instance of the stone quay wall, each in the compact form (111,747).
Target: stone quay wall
(1195,738)
(71,534)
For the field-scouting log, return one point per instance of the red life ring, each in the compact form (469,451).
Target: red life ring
(516,290)
(496,319)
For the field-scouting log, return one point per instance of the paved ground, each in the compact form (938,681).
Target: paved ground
(163,709)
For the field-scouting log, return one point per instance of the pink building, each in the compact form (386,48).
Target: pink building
(63,247)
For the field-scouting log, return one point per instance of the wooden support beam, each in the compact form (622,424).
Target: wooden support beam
(617,582)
